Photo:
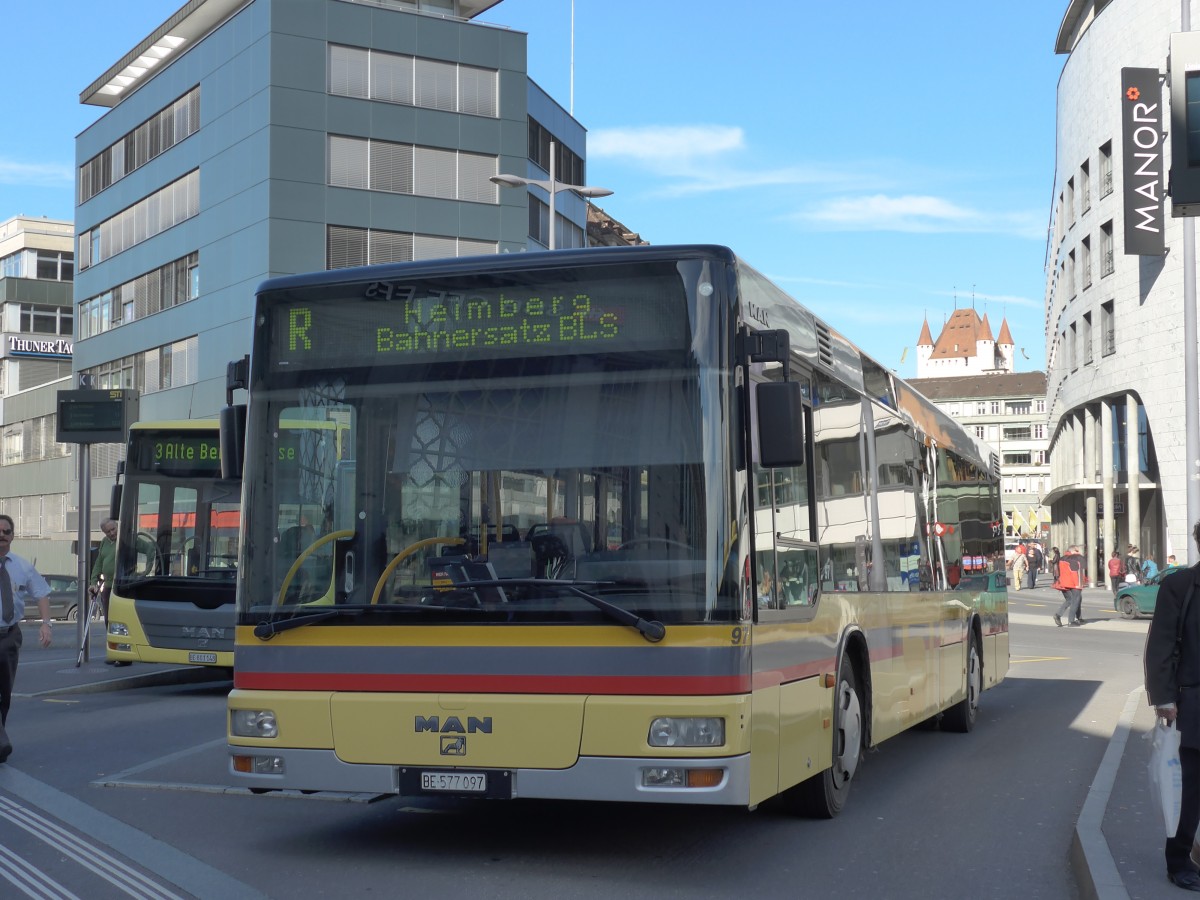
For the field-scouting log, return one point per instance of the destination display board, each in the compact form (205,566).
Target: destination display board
(95,416)
(178,454)
(401,322)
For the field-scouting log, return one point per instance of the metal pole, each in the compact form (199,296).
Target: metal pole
(553,191)
(1191,389)
(83,542)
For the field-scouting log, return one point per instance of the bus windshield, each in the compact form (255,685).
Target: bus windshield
(490,482)
(180,520)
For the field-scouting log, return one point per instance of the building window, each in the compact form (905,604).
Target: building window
(1039,432)
(1018,433)
(1085,249)
(155,136)
(1085,187)
(348,246)
(413,81)
(994,407)
(1039,406)
(568,163)
(408,169)
(1106,248)
(150,216)
(176,282)
(1073,346)
(1018,459)
(37,318)
(1070,202)
(1087,339)
(1070,275)
(1018,407)
(569,234)
(1106,169)
(981,408)
(1108,333)
(980,431)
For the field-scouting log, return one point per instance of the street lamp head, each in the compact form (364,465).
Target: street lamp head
(509,180)
(592,191)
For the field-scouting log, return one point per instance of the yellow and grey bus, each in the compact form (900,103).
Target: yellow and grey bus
(176,569)
(616,524)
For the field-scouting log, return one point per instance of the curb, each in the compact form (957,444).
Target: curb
(182,675)
(1091,858)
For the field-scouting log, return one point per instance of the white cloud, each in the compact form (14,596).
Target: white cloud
(35,174)
(917,213)
(695,159)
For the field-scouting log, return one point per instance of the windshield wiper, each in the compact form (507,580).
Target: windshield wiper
(651,630)
(268,628)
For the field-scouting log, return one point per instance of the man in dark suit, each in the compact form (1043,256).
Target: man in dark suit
(1173,686)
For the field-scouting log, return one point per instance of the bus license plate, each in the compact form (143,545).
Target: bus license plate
(202,658)
(455,782)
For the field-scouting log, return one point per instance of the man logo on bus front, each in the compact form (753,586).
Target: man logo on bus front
(454,745)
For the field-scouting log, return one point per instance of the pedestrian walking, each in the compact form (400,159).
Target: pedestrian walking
(1173,687)
(19,584)
(1036,561)
(1116,571)
(1133,565)
(1069,580)
(1019,564)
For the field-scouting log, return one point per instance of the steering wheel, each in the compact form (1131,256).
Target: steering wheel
(303,557)
(145,540)
(403,555)
(638,542)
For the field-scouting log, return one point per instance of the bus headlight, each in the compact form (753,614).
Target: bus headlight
(118,628)
(256,723)
(669,731)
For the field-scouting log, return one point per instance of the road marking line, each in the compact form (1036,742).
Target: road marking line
(28,879)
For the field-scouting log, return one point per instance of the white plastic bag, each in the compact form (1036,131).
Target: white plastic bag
(1166,777)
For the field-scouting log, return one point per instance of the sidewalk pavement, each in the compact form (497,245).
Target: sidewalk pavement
(58,670)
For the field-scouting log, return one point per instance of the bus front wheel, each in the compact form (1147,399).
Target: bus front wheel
(824,795)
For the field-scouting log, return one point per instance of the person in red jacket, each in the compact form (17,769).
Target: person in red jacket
(1116,571)
(1069,580)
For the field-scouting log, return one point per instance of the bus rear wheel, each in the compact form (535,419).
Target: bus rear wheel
(962,715)
(824,795)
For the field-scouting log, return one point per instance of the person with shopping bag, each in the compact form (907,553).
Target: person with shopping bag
(1173,686)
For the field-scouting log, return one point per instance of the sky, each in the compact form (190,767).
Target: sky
(882,162)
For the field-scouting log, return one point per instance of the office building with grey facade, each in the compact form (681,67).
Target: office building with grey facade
(245,139)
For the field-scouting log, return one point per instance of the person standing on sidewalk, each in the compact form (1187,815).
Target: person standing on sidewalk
(1116,571)
(104,569)
(1173,688)
(1069,579)
(19,583)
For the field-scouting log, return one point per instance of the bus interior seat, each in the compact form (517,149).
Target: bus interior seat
(464,570)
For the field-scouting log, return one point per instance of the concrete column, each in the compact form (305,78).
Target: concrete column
(1109,527)
(1133,463)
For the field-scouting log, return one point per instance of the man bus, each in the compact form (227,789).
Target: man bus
(563,479)
(176,570)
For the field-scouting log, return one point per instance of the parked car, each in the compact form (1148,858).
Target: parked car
(64,599)
(1134,600)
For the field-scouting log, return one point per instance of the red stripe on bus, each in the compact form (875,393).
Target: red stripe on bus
(493,684)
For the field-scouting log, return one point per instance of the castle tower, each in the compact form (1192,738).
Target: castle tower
(924,349)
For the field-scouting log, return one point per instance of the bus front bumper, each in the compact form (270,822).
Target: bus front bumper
(591,778)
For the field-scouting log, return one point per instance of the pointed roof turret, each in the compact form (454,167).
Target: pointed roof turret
(926,339)
(985,330)
(1005,334)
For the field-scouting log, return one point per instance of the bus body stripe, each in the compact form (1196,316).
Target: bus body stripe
(682,685)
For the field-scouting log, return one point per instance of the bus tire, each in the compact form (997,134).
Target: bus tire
(823,796)
(962,715)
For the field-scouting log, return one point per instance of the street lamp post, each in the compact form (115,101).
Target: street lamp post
(551,186)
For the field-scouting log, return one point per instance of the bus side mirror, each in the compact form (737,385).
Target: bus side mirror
(233,440)
(780,407)
(114,502)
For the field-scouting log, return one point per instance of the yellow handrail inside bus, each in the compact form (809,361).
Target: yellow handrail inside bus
(403,554)
(304,555)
